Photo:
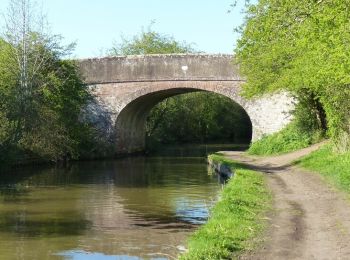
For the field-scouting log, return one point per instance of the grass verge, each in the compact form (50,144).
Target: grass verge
(333,166)
(236,221)
(289,139)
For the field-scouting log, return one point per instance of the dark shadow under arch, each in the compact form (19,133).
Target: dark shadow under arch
(130,127)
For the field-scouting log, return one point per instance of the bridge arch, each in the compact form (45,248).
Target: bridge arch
(130,125)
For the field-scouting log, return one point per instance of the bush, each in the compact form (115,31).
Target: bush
(289,139)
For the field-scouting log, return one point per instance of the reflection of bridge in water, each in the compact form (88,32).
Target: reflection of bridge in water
(127,88)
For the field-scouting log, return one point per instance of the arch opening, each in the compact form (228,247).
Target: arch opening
(130,127)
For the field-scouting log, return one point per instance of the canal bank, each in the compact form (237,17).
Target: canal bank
(238,219)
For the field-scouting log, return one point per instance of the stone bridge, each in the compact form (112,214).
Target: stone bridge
(126,88)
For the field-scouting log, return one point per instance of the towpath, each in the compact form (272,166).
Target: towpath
(310,220)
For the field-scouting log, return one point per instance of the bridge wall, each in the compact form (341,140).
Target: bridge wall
(172,67)
(126,89)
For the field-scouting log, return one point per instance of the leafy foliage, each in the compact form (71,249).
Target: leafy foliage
(287,140)
(58,103)
(41,94)
(302,47)
(198,117)
(150,42)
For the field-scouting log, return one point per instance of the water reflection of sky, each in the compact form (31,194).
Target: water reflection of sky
(195,212)
(83,255)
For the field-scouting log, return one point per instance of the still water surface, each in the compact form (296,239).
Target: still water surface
(132,208)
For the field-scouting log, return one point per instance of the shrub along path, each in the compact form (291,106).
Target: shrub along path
(310,219)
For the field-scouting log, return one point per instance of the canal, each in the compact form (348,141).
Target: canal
(132,208)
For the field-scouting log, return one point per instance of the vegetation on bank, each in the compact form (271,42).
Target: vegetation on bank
(41,93)
(330,164)
(287,140)
(188,118)
(303,131)
(236,221)
(301,47)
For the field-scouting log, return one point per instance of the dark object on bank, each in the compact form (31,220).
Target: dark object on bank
(223,170)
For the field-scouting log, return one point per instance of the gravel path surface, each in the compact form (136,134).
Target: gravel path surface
(310,220)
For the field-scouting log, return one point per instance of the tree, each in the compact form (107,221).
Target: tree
(42,95)
(150,42)
(302,47)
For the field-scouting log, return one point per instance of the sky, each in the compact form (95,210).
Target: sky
(96,25)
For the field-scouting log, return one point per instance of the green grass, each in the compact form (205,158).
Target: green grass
(287,140)
(333,166)
(236,221)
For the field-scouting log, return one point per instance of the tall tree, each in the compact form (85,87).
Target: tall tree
(302,47)
(31,50)
(41,94)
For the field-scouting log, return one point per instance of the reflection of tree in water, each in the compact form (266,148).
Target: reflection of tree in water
(23,224)
(34,176)
(12,192)
(32,204)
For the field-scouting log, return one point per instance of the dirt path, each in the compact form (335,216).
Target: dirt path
(310,219)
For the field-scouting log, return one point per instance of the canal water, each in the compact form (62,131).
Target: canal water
(132,208)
